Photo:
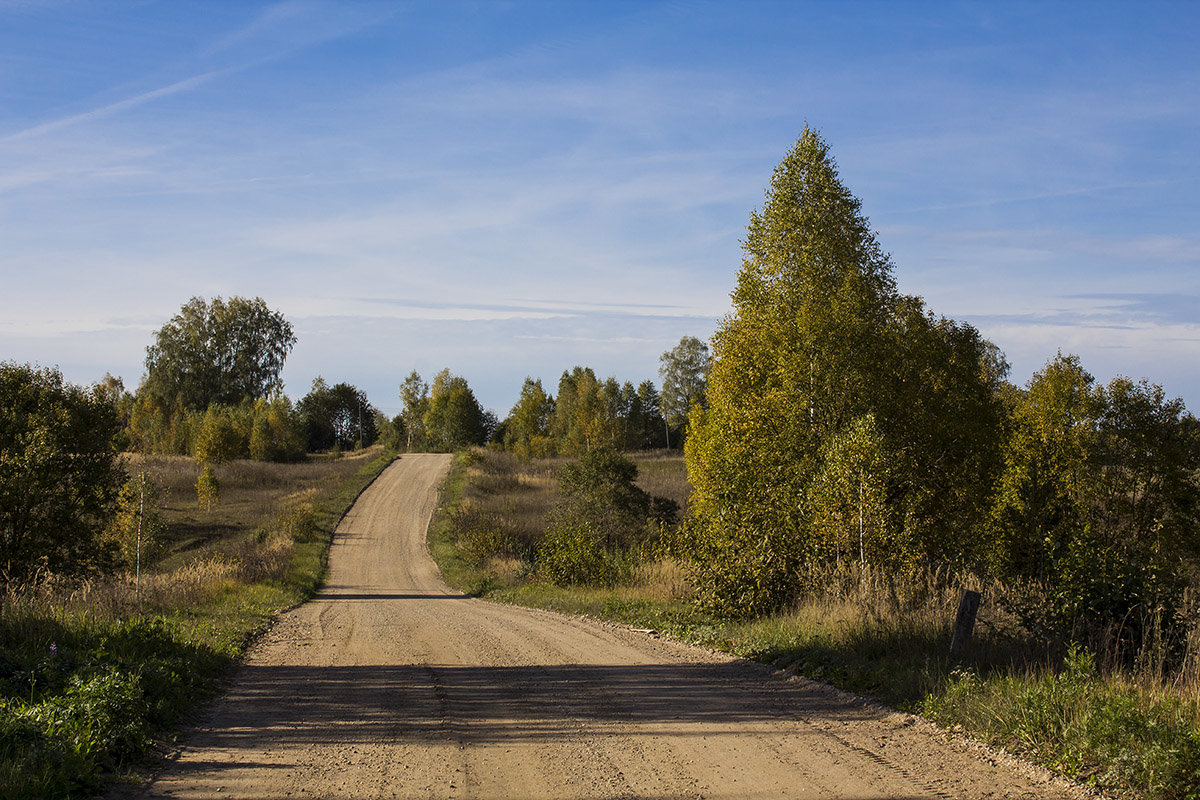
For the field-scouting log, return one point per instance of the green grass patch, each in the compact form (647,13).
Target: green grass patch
(1105,731)
(443,546)
(91,676)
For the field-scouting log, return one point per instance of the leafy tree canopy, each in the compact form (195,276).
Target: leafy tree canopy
(819,342)
(603,517)
(684,372)
(414,392)
(527,428)
(587,414)
(60,474)
(221,352)
(336,416)
(1099,501)
(219,438)
(454,418)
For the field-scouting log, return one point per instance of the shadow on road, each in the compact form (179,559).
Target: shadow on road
(512,703)
(335,595)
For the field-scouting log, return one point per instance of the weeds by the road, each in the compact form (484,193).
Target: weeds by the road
(92,674)
(1128,725)
(1105,728)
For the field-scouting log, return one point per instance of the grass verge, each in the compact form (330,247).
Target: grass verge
(1107,730)
(93,675)
(1131,732)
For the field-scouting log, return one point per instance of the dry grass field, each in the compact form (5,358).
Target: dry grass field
(252,495)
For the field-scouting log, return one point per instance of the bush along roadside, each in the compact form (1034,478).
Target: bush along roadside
(84,697)
(94,700)
(456,567)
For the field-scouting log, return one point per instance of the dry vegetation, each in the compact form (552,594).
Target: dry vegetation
(253,493)
(264,510)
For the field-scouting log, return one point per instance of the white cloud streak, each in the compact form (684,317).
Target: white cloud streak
(110,109)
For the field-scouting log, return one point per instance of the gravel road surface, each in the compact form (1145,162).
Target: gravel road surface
(390,685)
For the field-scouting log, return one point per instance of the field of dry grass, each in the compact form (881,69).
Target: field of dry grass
(252,495)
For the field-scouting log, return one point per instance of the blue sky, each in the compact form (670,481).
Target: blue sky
(511,189)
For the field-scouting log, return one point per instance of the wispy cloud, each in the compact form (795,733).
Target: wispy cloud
(284,28)
(510,188)
(1079,191)
(36,152)
(538,306)
(1170,308)
(110,109)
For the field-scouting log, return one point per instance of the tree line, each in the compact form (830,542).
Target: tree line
(846,422)
(213,391)
(590,414)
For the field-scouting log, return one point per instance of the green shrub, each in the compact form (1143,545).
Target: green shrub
(481,536)
(602,522)
(298,521)
(74,712)
(575,552)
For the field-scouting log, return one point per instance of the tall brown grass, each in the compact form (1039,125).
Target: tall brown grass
(220,564)
(265,510)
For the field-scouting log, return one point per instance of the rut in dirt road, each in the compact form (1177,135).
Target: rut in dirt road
(390,685)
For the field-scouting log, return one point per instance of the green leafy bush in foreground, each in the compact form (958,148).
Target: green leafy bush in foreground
(92,700)
(601,523)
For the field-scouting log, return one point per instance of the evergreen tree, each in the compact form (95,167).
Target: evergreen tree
(651,428)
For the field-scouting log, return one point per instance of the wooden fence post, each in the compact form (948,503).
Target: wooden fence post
(968,607)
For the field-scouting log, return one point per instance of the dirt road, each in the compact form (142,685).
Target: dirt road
(390,685)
